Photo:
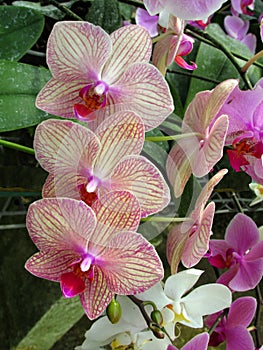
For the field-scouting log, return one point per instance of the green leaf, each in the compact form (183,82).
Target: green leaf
(157,151)
(106,14)
(20,28)
(19,85)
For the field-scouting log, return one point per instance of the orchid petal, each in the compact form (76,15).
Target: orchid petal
(164,52)
(218,247)
(60,224)
(96,296)
(115,211)
(131,264)
(207,299)
(52,264)
(138,175)
(178,169)
(248,275)
(130,44)
(147,21)
(59,97)
(239,338)
(157,295)
(77,50)
(197,243)
(71,284)
(178,284)
(153,6)
(256,252)
(199,342)
(120,135)
(242,312)
(242,233)
(227,276)
(236,27)
(183,64)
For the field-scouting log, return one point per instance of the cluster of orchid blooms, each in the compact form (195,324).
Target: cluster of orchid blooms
(99,185)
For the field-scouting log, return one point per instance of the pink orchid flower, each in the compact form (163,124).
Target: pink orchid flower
(242,6)
(96,74)
(150,23)
(244,110)
(203,138)
(189,241)
(83,165)
(241,252)
(237,28)
(199,342)
(94,253)
(184,9)
(233,328)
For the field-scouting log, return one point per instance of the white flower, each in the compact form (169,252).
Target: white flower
(258,190)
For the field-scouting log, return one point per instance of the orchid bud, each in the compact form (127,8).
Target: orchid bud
(157,317)
(114,311)
(157,331)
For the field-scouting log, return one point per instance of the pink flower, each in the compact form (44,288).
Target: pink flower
(242,6)
(233,328)
(189,241)
(199,342)
(94,253)
(184,9)
(244,110)
(237,29)
(203,138)
(83,165)
(241,253)
(147,21)
(95,75)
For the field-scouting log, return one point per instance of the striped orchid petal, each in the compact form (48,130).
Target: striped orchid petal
(130,44)
(138,175)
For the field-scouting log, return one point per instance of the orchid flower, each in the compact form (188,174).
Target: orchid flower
(258,190)
(203,137)
(190,309)
(241,253)
(83,165)
(244,110)
(144,19)
(184,9)
(242,6)
(94,253)
(237,28)
(189,241)
(96,74)
(199,342)
(233,328)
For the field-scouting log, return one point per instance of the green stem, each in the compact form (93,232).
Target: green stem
(66,10)
(195,76)
(211,330)
(17,147)
(171,138)
(252,60)
(160,37)
(165,219)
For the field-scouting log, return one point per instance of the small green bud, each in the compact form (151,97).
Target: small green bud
(157,331)
(113,311)
(157,317)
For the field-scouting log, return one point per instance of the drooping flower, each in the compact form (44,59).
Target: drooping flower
(242,6)
(233,328)
(237,28)
(94,253)
(241,253)
(184,9)
(199,342)
(203,137)
(189,241)
(84,165)
(244,110)
(95,75)
(189,309)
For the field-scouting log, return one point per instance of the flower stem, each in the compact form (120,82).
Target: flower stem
(17,147)
(252,60)
(165,219)
(171,137)
(195,76)
(211,330)
(161,36)
(133,3)
(66,10)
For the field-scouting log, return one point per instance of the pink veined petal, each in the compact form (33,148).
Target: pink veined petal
(153,6)
(50,265)
(197,243)
(97,295)
(178,169)
(131,264)
(255,253)
(130,44)
(138,175)
(193,9)
(212,150)
(239,338)
(77,50)
(183,64)
(115,211)
(227,276)
(143,90)
(120,135)
(248,275)
(59,97)
(164,52)
(242,233)
(199,342)
(60,224)
(241,312)
(63,146)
